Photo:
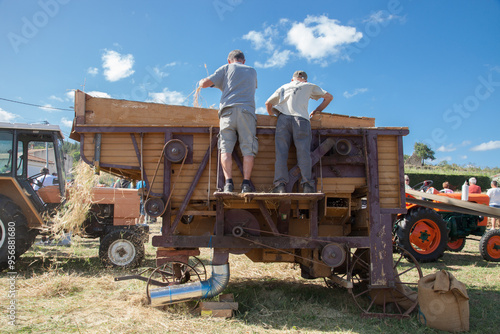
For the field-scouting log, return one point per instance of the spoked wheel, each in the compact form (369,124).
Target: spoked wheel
(341,276)
(175,273)
(489,246)
(456,246)
(398,301)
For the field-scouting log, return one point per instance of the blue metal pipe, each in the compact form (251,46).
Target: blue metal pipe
(191,291)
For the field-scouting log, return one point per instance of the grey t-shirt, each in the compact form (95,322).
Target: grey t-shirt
(237,83)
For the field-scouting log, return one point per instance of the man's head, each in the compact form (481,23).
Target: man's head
(300,76)
(236,56)
(494,184)
(44,170)
(472,180)
(407,179)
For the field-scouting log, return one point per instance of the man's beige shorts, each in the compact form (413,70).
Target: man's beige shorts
(236,123)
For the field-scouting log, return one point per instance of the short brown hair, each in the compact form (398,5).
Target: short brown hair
(446,184)
(236,55)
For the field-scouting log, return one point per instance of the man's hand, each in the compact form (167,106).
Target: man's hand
(269,108)
(205,83)
(327,98)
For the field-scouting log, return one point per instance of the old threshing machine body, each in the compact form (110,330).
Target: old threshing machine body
(358,170)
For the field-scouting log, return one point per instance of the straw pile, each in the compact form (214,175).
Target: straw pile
(70,217)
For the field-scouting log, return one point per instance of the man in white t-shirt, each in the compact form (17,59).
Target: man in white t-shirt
(290,103)
(46,179)
(494,194)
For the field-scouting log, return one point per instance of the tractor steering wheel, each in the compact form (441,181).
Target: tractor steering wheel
(33,180)
(423,186)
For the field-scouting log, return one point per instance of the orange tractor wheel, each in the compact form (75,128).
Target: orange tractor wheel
(456,246)
(489,246)
(423,233)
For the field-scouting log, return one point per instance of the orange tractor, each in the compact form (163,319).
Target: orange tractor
(436,222)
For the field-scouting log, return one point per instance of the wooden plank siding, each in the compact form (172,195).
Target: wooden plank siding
(389,180)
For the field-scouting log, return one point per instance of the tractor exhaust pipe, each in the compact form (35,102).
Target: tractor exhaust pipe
(192,291)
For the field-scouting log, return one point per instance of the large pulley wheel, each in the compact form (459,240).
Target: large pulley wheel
(240,223)
(175,150)
(398,300)
(176,273)
(154,206)
(333,255)
(489,246)
(423,234)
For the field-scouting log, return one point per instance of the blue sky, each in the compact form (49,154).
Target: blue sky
(432,66)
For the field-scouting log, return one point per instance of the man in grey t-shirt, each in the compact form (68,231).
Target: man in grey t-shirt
(290,103)
(237,118)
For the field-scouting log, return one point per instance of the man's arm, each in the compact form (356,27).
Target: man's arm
(205,83)
(269,108)
(327,98)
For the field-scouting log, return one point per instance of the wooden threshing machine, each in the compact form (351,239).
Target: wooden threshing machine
(342,233)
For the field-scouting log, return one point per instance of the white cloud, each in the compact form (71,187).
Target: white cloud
(261,111)
(99,94)
(491,145)
(93,71)
(117,66)
(262,40)
(357,91)
(167,97)
(70,95)
(159,73)
(66,122)
(53,97)
(448,148)
(319,37)
(278,59)
(6,116)
(466,143)
(47,107)
(447,158)
(383,16)
(463,157)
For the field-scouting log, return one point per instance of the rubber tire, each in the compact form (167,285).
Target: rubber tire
(121,238)
(405,225)
(454,248)
(483,245)
(11,212)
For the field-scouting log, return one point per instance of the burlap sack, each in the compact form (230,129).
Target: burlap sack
(443,302)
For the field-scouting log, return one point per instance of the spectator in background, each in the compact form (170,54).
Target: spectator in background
(473,187)
(446,188)
(494,195)
(407,182)
(46,179)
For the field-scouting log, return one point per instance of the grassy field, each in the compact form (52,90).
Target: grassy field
(66,289)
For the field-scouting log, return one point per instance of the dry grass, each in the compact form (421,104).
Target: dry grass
(70,217)
(64,290)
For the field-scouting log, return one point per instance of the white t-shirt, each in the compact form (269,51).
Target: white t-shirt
(48,180)
(494,194)
(293,98)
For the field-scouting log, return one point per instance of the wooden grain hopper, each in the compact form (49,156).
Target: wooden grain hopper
(342,232)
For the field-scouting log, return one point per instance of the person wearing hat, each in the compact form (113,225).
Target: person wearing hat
(290,104)
(237,118)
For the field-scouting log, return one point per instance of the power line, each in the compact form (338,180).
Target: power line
(35,105)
